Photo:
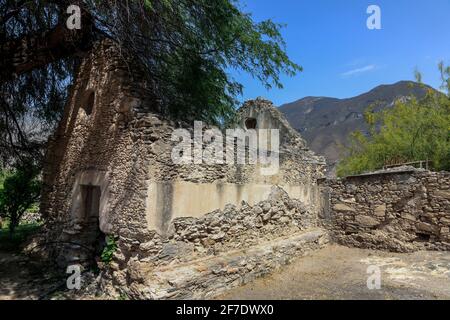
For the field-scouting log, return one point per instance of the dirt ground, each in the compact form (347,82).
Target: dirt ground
(340,273)
(21,279)
(334,272)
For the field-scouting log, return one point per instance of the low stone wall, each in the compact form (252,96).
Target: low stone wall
(218,235)
(209,277)
(399,211)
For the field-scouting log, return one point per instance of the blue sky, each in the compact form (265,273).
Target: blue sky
(341,57)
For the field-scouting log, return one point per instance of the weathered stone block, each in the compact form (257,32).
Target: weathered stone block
(426,227)
(257,210)
(340,207)
(266,206)
(442,194)
(380,211)
(408,216)
(366,221)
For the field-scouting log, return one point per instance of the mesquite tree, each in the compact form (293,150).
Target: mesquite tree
(186,47)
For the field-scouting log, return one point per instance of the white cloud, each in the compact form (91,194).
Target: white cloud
(357,71)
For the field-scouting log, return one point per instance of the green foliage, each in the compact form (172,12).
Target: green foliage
(413,130)
(3,175)
(206,39)
(20,191)
(445,77)
(123,297)
(108,252)
(186,49)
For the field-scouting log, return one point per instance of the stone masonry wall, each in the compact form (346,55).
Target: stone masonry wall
(121,144)
(399,211)
(213,242)
(96,145)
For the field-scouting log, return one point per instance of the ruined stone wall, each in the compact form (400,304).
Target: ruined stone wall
(113,138)
(181,197)
(399,211)
(266,116)
(266,231)
(201,257)
(96,144)
(196,189)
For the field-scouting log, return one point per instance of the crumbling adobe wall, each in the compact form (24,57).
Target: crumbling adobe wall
(399,211)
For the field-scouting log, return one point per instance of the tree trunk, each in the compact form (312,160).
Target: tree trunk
(13,223)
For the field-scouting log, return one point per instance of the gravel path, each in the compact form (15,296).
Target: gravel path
(20,279)
(337,273)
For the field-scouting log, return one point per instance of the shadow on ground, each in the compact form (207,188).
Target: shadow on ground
(22,279)
(332,273)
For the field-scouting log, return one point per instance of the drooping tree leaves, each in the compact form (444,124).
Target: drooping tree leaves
(186,47)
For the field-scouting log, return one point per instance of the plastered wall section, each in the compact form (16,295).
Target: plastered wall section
(167,201)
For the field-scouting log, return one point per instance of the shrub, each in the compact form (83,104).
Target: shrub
(19,192)
(413,130)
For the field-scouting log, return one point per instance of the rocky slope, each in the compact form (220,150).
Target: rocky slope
(326,123)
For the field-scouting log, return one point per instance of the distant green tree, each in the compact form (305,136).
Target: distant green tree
(2,177)
(413,130)
(19,191)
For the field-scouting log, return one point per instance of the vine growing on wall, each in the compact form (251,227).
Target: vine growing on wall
(109,250)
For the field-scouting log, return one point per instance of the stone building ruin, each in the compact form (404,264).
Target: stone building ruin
(195,230)
(109,172)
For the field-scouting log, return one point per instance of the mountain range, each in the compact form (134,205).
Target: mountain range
(326,123)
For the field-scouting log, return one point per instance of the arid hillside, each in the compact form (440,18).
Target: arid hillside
(326,123)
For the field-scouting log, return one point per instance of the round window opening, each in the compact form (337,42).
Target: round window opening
(88,105)
(250,123)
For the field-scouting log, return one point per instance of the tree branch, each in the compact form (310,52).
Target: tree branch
(32,51)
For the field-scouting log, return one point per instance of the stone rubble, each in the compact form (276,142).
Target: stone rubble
(217,236)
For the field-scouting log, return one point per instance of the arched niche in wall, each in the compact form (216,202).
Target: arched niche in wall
(88,101)
(250,123)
